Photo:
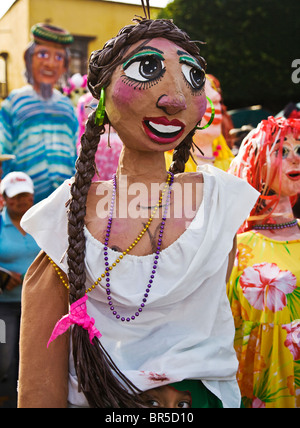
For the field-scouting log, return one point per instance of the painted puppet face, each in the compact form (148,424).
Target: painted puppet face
(156,97)
(290,179)
(48,64)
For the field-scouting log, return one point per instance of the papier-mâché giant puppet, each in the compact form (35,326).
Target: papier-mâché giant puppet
(141,259)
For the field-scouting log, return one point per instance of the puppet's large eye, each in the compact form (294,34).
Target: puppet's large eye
(144,67)
(285,152)
(43,54)
(195,75)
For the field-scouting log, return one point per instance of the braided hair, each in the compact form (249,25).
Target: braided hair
(96,372)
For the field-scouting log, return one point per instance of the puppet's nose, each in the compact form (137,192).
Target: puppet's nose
(172,104)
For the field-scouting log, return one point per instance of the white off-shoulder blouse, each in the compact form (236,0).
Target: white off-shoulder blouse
(186,329)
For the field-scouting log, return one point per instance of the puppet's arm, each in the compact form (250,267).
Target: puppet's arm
(43,375)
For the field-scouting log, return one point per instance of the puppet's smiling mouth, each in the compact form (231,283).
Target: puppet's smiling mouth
(294,175)
(161,130)
(47,73)
(164,130)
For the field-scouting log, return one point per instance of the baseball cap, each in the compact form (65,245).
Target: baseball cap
(15,183)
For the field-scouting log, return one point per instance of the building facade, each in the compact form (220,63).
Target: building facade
(91,22)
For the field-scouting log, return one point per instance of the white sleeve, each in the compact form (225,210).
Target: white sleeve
(229,202)
(47,222)
(233,198)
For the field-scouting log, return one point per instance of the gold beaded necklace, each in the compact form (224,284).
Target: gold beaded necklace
(127,251)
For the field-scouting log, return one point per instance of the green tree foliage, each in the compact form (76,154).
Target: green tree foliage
(250,46)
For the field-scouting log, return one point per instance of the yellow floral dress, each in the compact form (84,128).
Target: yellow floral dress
(264,293)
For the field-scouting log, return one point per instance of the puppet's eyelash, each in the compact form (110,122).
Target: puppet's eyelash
(193,90)
(135,84)
(142,55)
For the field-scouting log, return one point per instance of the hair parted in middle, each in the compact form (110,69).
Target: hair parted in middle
(93,365)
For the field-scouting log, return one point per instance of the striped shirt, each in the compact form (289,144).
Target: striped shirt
(42,135)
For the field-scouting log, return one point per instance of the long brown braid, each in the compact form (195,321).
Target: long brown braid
(97,374)
(182,153)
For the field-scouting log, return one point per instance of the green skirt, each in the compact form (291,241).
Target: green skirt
(202,398)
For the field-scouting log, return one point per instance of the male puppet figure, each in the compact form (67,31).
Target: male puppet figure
(37,123)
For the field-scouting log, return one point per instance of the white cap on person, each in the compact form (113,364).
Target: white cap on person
(15,183)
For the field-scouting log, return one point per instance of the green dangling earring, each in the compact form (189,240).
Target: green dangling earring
(100,112)
(211,117)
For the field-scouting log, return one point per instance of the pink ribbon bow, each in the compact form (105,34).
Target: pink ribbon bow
(78,315)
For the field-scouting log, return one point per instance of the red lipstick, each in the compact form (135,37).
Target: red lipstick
(163,131)
(293,175)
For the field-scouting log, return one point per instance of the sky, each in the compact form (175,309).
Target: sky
(5,4)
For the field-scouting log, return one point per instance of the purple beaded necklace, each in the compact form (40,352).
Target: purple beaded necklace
(156,256)
(274,226)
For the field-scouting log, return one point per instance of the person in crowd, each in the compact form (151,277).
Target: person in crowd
(180,395)
(153,282)
(110,144)
(17,251)
(167,397)
(37,123)
(3,157)
(264,287)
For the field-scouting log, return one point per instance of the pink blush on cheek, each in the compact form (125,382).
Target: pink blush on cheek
(202,105)
(124,94)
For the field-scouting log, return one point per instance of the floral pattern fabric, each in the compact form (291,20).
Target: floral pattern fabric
(264,293)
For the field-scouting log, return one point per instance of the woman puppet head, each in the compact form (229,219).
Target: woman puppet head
(269,159)
(91,362)
(143,77)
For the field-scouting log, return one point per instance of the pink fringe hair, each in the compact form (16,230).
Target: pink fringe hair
(253,163)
